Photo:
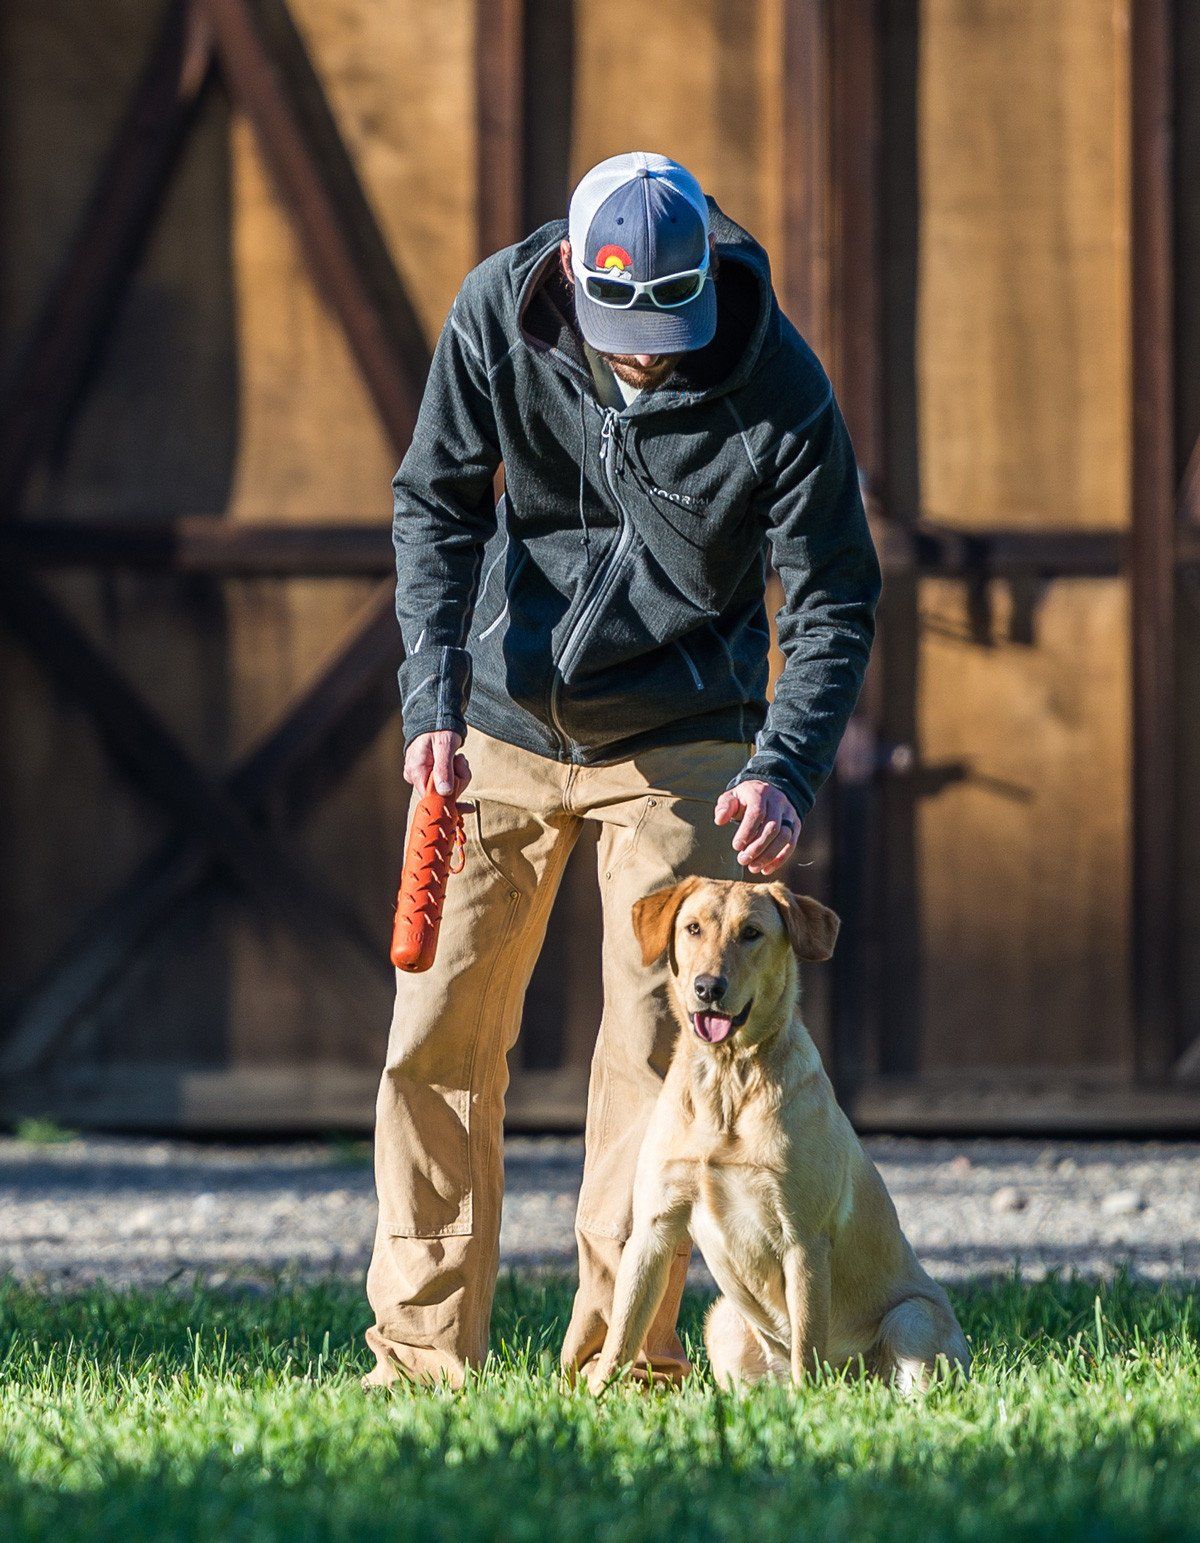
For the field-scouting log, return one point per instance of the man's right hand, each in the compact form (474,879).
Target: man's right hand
(435,757)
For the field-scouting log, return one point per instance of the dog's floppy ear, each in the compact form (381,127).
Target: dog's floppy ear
(654,919)
(812,927)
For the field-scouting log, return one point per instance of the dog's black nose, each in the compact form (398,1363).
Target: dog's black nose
(710,988)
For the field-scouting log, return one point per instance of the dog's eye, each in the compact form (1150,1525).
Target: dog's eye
(749,934)
(692,929)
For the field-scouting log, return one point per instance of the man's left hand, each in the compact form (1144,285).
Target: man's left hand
(769,827)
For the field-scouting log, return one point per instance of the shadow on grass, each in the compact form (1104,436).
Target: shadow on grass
(551,1488)
(225,1415)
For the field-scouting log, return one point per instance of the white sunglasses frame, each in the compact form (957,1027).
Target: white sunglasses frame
(640,287)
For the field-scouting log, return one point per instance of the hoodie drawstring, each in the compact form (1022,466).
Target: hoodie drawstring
(582,463)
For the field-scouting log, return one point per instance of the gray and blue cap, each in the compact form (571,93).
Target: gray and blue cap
(641,217)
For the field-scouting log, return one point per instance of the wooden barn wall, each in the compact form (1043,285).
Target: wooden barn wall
(1187,438)
(155,433)
(1008,284)
(714,105)
(226,390)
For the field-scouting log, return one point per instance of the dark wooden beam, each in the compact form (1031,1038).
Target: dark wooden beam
(341,710)
(263,60)
(1189,494)
(804,266)
(310,1097)
(146,749)
(197,544)
(856,287)
(84,296)
(853,275)
(1153,543)
(947,552)
(500,123)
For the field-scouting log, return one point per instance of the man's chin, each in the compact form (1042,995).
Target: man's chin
(642,377)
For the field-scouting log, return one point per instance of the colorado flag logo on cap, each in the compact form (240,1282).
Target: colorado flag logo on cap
(616,257)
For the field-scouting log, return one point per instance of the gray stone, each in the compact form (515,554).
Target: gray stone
(1123,1202)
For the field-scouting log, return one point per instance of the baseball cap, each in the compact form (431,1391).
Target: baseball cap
(641,217)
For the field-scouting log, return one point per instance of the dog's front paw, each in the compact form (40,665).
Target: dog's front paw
(597,1377)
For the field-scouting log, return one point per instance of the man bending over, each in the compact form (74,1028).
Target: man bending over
(593,651)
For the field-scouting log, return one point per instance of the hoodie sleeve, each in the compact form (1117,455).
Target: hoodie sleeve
(443,514)
(825,558)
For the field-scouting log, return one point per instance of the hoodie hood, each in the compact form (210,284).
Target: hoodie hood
(614,600)
(748,317)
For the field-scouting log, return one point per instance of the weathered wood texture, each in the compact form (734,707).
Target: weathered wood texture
(227,392)
(225,389)
(1018,282)
(1187,441)
(702,83)
(227,395)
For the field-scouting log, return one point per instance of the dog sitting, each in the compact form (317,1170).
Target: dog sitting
(748,1150)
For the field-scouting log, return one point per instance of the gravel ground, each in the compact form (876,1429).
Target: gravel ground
(138,1212)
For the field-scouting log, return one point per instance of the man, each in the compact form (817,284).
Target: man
(593,650)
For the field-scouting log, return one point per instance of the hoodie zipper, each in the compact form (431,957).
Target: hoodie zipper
(612,458)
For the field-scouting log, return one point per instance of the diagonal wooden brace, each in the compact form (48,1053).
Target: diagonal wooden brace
(84,296)
(343,708)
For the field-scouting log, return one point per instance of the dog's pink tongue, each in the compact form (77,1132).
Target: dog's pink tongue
(712,1027)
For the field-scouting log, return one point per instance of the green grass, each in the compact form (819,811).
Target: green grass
(42,1132)
(212,1416)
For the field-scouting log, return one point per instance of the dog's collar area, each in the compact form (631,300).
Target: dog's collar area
(713,1028)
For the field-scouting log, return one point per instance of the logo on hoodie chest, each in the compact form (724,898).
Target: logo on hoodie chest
(684,500)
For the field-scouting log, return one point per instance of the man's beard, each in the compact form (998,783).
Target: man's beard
(642,377)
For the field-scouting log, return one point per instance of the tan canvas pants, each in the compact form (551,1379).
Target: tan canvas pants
(438,1140)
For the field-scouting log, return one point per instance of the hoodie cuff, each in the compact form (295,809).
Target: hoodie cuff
(435,685)
(767,766)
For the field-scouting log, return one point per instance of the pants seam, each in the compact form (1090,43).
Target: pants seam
(513,901)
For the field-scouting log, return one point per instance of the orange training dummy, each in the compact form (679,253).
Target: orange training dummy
(436,838)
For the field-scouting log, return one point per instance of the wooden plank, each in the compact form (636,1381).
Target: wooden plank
(342,707)
(964,552)
(1022,320)
(321,1096)
(83,297)
(803,264)
(1014,950)
(146,749)
(199,544)
(313,1098)
(1152,581)
(892,946)
(317,183)
(1186,157)
(1007,1104)
(500,123)
(1022,744)
(854,303)
(856,259)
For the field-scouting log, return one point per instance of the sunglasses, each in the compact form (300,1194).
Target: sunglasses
(666,293)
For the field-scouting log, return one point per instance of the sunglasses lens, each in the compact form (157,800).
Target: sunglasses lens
(609,291)
(678,291)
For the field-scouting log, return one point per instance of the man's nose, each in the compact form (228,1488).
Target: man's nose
(710,988)
(645,360)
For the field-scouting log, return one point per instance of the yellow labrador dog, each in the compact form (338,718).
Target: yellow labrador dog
(748,1151)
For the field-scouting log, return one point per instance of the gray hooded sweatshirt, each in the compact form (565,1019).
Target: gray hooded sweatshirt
(613,600)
